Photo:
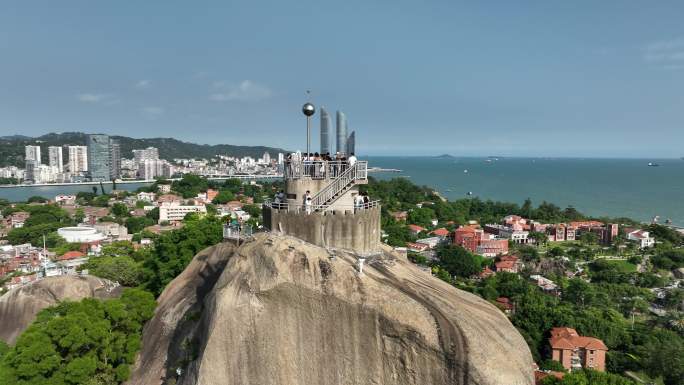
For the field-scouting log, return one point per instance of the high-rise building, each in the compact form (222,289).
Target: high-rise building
(149,169)
(149,153)
(32,154)
(351,143)
(32,158)
(114,159)
(281,158)
(266,158)
(325,131)
(31,167)
(341,132)
(99,157)
(78,159)
(55,158)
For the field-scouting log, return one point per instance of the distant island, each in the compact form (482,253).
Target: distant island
(12,147)
(445,156)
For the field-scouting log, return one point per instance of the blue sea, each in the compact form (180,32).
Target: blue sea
(597,187)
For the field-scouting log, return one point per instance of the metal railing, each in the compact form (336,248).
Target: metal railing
(299,208)
(340,184)
(237,231)
(322,169)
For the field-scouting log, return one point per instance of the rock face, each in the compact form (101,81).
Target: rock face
(284,312)
(176,318)
(19,307)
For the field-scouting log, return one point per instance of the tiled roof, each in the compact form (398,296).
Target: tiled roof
(567,338)
(71,255)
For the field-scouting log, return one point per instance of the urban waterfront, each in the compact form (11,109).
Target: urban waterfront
(598,187)
(20,194)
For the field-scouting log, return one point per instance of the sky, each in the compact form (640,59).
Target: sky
(508,78)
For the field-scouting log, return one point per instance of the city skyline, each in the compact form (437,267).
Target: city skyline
(580,80)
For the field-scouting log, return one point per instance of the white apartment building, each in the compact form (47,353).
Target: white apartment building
(32,154)
(11,172)
(152,168)
(149,153)
(173,212)
(63,199)
(40,173)
(78,159)
(643,238)
(146,197)
(55,158)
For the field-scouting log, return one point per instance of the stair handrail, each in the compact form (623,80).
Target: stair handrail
(336,186)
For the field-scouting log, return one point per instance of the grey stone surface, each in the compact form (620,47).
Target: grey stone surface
(284,313)
(340,229)
(19,306)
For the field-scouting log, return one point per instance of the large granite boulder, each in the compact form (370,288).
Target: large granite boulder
(286,312)
(19,306)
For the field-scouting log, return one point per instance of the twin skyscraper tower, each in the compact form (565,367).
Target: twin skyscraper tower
(344,144)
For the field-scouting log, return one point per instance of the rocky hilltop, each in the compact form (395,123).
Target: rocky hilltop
(19,306)
(281,311)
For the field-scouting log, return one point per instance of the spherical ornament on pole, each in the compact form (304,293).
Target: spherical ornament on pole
(308,109)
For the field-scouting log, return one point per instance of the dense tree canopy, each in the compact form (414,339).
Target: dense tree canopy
(78,342)
(175,249)
(459,261)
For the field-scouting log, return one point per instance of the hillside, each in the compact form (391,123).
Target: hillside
(280,311)
(12,147)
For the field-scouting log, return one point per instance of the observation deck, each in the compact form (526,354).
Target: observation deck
(334,217)
(330,184)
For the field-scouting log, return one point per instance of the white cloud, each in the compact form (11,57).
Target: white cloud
(142,84)
(666,54)
(152,112)
(93,98)
(245,91)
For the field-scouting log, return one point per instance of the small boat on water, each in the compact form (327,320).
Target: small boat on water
(651,164)
(469,193)
(465,171)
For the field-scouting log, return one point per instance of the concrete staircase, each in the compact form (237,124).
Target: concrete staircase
(339,186)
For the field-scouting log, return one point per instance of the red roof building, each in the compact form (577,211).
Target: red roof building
(539,375)
(418,247)
(486,272)
(70,255)
(505,304)
(574,351)
(441,232)
(415,229)
(507,266)
(468,237)
(399,216)
(211,194)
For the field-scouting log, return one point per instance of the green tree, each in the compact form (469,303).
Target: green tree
(117,263)
(75,342)
(120,210)
(175,249)
(37,199)
(552,365)
(223,197)
(459,261)
(421,216)
(588,238)
(137,224)
(539,237)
